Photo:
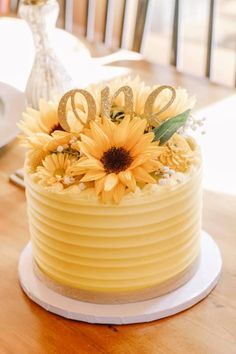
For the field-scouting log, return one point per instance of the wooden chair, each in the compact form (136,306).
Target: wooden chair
(174,60)
(141,25)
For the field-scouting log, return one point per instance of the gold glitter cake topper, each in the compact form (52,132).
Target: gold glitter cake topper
(148,107)
(106,104)
(62,116)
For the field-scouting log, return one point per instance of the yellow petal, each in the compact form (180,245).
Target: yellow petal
(128,180)
(118,192)
(152,165)
(106,196)
(87,132)
(48,114)
(75,125)
(76,167)
(89,164)
(58,134)
(155,150)
(48,164)
(58,138)
(33,113)
(99,185)
(139,160)
(135,133)
(54,160)
(86,151)
(38,140)
(93,176)
(108,127)
(90,146)
(101,139)
(121,132)
(30,124)
(142,176)
(142,145)
(110,182)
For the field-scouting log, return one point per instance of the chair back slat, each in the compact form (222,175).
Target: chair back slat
(109,22)
(175,42)
(124,19)
(91,10)
(68,15)
(140,24)
(122,33)
(210,38)
(147,23)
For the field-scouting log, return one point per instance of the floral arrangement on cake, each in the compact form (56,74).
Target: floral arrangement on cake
(113,138)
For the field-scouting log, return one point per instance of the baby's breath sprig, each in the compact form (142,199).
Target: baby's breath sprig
(164,174)
(193,123)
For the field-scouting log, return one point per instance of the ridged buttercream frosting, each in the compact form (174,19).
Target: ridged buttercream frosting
(151,237)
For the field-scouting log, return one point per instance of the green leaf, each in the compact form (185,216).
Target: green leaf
(165,131)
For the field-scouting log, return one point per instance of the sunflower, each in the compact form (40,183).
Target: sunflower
(117,156)
(178,153)
(43,120)
(42,128)
(55,169)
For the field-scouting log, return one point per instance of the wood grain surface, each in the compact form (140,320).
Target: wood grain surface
(207,328)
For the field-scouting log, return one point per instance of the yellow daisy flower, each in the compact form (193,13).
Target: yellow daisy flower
(55,169)
(117,156)
(178,154)
(34,159)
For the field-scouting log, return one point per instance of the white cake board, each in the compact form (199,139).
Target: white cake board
(204,280)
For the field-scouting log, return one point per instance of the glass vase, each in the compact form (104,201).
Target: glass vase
(48,78)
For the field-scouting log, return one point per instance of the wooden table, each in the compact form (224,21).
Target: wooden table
(207,328)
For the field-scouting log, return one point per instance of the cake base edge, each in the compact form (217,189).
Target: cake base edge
(124,297)
(196,289)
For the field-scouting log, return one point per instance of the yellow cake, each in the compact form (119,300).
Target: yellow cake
(109,231)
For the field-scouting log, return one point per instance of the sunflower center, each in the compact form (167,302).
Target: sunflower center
(56,127)
(116,160)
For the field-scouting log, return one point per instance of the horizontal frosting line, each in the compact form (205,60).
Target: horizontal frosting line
(118,222)
(98,211)
(149,279)
(89,252)
(134,231)
(120,262)
(110,242)
(142,199)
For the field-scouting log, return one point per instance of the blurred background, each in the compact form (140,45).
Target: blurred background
(205,30)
